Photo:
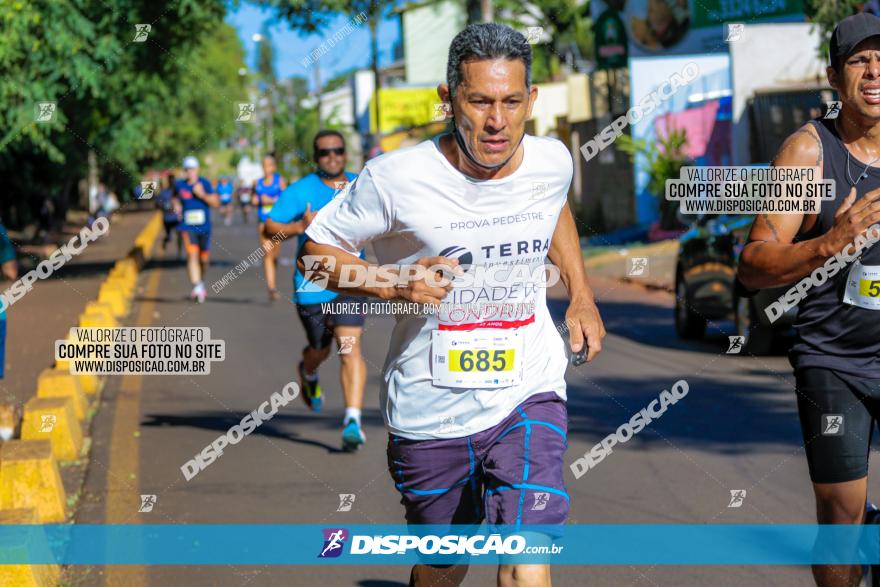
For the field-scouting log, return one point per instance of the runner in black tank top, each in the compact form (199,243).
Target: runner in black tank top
(836,357)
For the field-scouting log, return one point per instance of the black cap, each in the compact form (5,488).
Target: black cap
(851,31)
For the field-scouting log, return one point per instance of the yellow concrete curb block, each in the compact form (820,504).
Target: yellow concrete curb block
(57,383)
(26,575)
(29,478)
(88,382)
(125,266)
(126,282)
(53,419)
(93,320)
(114,295)
(100,308)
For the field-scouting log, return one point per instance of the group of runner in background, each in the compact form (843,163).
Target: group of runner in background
(283,212)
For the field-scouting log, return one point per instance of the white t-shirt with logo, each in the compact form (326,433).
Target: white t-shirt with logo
(413,203)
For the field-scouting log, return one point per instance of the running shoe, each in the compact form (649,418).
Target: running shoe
(311,390)
(199,293)
(352,436)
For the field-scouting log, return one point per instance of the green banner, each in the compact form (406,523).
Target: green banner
(709,13)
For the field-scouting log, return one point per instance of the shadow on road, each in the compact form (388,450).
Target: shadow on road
(716,416)
(654,325)
(380,583)
(278,427)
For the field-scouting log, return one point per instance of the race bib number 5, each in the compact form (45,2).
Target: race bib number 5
(863,286)
(481,358)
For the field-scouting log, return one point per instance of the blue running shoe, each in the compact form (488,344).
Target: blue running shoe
(352,436)
(311,390)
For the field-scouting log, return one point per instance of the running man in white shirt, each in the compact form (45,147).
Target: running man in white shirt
(473,395)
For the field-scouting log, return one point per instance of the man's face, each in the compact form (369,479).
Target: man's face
(330,155)
(269,166)
(192,174)
(858,81)
(491,107)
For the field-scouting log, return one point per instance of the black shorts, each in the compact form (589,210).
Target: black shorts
(837,413)
(319,323)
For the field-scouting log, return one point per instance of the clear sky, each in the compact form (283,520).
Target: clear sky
(291,47)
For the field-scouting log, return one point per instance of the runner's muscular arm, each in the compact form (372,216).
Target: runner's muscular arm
(417,290)
(565,253)
(212,200)
(770,258)
(285,230)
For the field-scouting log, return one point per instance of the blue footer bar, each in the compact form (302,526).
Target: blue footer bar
(663,544)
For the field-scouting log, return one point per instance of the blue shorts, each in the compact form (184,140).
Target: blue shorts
(197,241)
(2,346)
(319,323)
(511,473)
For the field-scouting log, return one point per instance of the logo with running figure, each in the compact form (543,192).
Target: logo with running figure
(334,542)
(832,424)
(44,111)
(47,423)
(735,32)
(141,32)
(541,501)
(737,496)
(833,110)
(147,503)
(346,344)
(346,501)
(245,112)
(317,272)
(736,344)
(148,190)
(638,266)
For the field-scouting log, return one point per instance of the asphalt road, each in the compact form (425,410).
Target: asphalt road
(736,429)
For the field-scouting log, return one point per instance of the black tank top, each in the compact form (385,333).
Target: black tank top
(830,332)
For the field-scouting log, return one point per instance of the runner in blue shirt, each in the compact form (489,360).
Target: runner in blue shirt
(196,197)
(225,190)
(290,216)
(9,269)
(267,190)
(171,213)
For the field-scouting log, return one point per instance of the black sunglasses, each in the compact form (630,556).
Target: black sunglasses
(335,151)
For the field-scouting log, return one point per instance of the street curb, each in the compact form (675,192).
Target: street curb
(30,485)
(619,256)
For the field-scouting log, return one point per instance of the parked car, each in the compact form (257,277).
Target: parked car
(706,287)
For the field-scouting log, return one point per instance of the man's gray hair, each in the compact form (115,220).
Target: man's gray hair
(486,40)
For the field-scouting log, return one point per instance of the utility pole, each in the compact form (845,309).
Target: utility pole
(486,10)
(318,91)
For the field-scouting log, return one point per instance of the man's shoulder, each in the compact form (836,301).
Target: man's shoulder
(547,146)
(802,147)
(304,183)
(401,160)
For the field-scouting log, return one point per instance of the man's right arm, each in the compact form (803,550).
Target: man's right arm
(770,258)
(281,222)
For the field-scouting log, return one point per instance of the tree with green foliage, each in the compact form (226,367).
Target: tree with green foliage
(665,156)
(826,14)
(133,103)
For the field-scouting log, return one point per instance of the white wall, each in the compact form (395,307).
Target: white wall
(552,102)
(427,33)
(769,55)
(339,104)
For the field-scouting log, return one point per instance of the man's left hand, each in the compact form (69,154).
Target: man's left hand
(584,322)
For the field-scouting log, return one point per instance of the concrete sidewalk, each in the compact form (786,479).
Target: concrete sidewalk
(52,307)
(623,264)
